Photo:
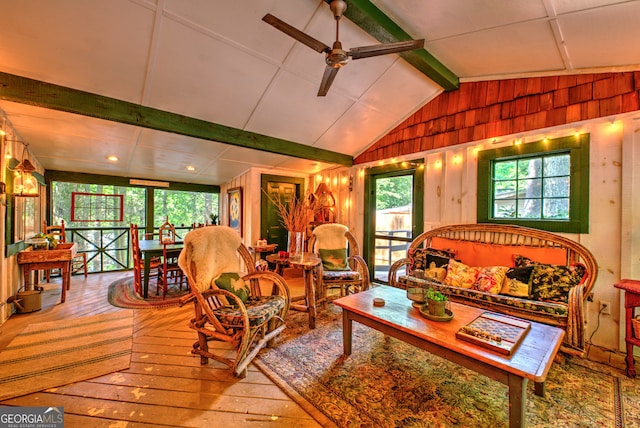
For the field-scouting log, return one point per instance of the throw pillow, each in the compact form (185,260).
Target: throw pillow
(234,284)
(435,273)
(523,261)
(460,275)
(517,282)
(334,259)
(552,283)
(490,279)
(421,258)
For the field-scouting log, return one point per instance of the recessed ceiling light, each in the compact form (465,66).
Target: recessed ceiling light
(112,158)
(191,168)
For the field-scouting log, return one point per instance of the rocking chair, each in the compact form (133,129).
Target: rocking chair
(230,306)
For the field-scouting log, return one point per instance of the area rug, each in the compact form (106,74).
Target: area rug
(51,354)
(387,383)
(122,294)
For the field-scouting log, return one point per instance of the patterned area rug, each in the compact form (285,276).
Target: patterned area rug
(123,295)
(51,354)
(387,383)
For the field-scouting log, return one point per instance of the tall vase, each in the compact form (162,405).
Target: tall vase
(295,244)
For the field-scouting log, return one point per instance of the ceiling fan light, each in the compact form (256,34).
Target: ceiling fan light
(337,57)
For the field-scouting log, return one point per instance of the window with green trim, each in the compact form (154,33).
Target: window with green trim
(544,184)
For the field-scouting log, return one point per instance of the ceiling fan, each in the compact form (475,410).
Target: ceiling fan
(335,56)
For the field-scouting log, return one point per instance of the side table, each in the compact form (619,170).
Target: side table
(265,249)
(308,262)
(631,301)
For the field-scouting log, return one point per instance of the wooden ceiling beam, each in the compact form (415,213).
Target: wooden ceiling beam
(47,95)
(367,16)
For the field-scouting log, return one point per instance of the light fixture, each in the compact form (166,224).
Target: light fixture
(24,183)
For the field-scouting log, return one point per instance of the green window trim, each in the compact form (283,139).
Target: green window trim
(578,149)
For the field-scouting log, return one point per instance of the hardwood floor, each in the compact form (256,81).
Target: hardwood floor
(165,384)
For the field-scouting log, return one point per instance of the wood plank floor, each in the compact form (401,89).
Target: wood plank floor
(165,384)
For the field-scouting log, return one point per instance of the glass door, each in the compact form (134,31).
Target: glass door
(395,215)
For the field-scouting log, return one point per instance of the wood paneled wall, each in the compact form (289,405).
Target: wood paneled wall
(489,109)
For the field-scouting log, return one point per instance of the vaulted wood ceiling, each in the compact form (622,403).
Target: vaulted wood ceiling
(206,84)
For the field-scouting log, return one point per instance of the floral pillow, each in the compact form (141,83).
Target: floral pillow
(517,282)
(552,282)
(460,275)
(490,279)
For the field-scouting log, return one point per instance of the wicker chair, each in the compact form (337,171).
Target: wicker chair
(353,274)
(221,313)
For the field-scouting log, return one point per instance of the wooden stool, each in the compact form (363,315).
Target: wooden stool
(631,301)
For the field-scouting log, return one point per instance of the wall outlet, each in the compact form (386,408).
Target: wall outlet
(605,308)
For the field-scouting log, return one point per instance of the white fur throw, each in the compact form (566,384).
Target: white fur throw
(208,252)
(330,236)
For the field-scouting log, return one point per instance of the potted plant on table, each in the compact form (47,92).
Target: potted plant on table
(436,302)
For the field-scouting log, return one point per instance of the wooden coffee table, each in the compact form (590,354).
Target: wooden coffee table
(398,318)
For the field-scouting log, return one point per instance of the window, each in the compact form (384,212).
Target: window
(543,185)
(89,207)
(183,208)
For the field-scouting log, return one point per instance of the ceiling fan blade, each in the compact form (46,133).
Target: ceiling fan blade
(304,38)
(386,48)
(327,80)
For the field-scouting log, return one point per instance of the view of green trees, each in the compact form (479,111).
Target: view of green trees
(533,188)
(393,192)
(183,208)
(107,242)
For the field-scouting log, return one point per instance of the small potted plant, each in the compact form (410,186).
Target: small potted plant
(436,302)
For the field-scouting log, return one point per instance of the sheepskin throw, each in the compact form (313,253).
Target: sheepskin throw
(208,252)
(331,245)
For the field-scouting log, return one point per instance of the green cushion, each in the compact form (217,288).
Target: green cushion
(334,259)
(234,284)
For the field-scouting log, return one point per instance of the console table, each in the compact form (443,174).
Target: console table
(60,258)
(631,301)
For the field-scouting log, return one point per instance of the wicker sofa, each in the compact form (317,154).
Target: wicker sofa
(484,245)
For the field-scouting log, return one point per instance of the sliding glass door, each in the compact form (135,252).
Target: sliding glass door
(394,215)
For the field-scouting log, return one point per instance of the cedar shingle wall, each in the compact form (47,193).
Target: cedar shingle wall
(480,110)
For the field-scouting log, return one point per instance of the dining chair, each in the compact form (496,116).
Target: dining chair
(138,262)
(169,273)
(342,265)
(229,304)
(78,261)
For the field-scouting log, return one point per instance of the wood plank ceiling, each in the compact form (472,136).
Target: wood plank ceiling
(216,67)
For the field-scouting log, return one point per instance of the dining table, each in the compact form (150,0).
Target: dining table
(151,248)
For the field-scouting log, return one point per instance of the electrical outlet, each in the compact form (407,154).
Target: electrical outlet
(605,308)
